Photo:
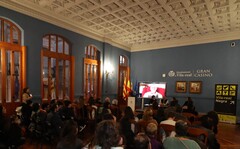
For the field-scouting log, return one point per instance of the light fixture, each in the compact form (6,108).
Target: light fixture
(108,70)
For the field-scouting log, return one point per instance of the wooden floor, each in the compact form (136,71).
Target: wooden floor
(228,137)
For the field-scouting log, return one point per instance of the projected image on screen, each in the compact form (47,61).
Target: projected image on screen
(148,89)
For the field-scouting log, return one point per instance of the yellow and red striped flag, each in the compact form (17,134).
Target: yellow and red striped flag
(126,89)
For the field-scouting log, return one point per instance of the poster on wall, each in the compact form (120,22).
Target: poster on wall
(225,102)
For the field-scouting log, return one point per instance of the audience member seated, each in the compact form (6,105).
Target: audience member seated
(69,138)
(188,106)
(91,109)
(38,119)
(147,118)
(127,121)
(109,116)
(98,102)
(106,136)
(54,121)
(174,102)
(207,124)
(160,116)
(66,112)
(142,141)
(214,116)
(170,119)
(152,100)
(151,132)
(4,126)
(115,110)
(105,110)
(180,141)
(155,108)
(14,134)
(164,102)
(26,111)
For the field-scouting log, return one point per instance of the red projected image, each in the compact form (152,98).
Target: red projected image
(147,90)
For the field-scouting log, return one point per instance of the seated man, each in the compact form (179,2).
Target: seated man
(151,132)
(180,141)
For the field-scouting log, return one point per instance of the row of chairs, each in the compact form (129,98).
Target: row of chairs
(195,132)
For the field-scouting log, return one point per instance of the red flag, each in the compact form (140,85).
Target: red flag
(126,89)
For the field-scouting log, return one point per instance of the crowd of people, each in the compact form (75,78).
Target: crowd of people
(112,127)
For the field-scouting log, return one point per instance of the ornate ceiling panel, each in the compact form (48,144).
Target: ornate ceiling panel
(140,24)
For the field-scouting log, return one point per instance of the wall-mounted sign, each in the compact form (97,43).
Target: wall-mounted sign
(225,101)
(191,73)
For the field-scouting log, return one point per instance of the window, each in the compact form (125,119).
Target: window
(123,74)
(12,67)
(92,72)
(56,68)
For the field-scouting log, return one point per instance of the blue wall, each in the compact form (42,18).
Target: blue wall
(220,58)
(35,29)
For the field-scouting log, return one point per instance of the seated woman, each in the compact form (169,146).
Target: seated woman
(106,136)
(127,125)
(151,132)
(189,107)
(142,141)
(180,141)
(146,119)
(164,102)
(69,138)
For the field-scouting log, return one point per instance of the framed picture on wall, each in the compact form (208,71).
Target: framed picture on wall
(195,87)
(181,86)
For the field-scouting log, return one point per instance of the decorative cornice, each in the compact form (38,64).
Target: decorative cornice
(35,12)
(188,41)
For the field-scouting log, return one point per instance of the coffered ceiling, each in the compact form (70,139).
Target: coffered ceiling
(137,25)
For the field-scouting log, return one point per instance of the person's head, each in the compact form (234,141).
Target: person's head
(69,131)
(153,88)
(98,100)
(2,109)
(29,102)
(106,105)
(26,90)
(128,112)
(67,103)
(141,141)
(151,129)
(115,102)
(91,101)
(206,122)
(108,116)
(147,114)
(174,102)
(53,108)
(181,128)
(107,99)
(36,107)
(171,114)
(155,105)
(153,97)
(106,134)
(45,106)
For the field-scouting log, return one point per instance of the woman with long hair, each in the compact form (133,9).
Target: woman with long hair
(69,137)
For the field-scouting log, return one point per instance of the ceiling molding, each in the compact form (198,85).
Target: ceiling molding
(139,25)
(188,41)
